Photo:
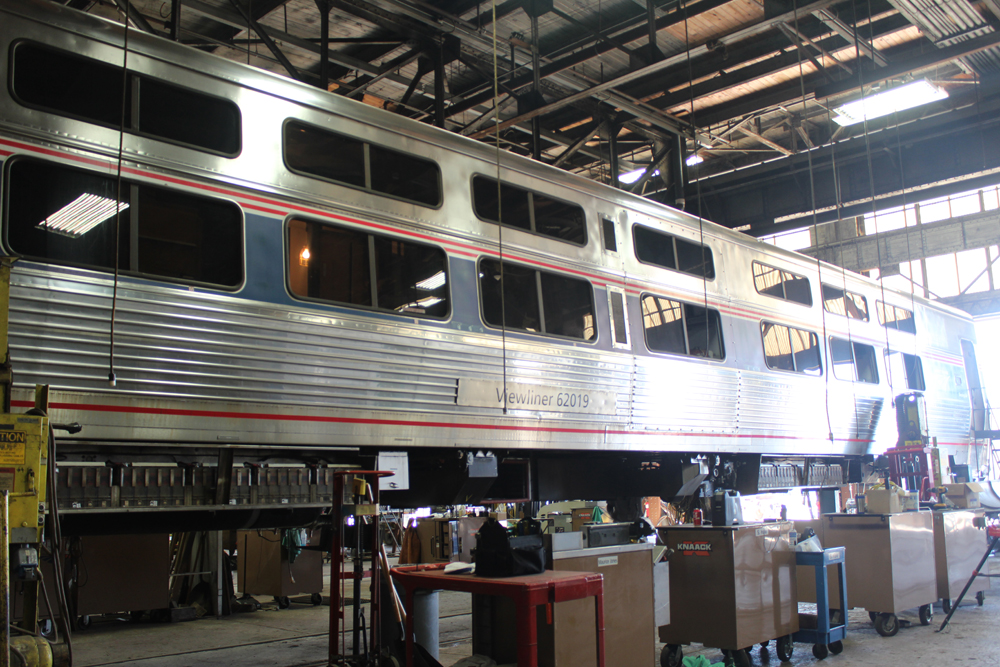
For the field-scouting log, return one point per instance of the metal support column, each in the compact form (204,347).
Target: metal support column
(679,171)
(175,20)
(6,373)
(336,569)
(5,580)
(653,51)
(610,131)
(536,127)
(220,572)
(324,43)
(439,92)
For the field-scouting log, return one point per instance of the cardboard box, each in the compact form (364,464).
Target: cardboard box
(883,501)
(438,540)
(910,501)
(582,515)
(963,495)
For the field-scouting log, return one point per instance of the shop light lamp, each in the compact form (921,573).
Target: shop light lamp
(889,101)
(693,159)
(630,177)
(432,283)
(81,215)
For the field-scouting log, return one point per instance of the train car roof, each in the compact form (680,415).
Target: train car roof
(269,83)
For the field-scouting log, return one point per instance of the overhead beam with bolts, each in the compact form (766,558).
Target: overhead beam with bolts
(251,23)
(132,14)
(397,63)
(848,33)
(220,15)
(597,36)
(793,37)
(592,129)
(606,92)
(926,60)
(767,142)
(800,41)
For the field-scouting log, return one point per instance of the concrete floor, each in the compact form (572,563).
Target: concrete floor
(297,636)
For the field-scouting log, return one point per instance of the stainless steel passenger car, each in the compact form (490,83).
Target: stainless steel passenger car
(636,335)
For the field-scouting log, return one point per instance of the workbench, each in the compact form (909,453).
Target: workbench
(527,592)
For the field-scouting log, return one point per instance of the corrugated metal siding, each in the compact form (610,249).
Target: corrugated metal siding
(677,395)
(173,343)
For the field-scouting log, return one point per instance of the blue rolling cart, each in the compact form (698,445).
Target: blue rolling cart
(826,637)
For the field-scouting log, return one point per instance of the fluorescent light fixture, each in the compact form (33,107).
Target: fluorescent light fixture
(628,178)
(81,215)
(693,159)
(889,101)
(435,281)
(420,305)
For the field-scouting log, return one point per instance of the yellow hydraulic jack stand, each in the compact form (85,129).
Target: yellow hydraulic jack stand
(23,463)
(24,440)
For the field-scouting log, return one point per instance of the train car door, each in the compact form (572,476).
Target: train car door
(974,385)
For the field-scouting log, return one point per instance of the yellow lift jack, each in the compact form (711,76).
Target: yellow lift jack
(25,447)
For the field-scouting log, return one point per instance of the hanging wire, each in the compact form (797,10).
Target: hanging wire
(916,222)
(843,271)
(250,14)
(871,185)
(815,224)
(701,220)
(496,126)
(112,378)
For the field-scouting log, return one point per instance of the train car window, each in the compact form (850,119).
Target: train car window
(187,117)
(558,220)
(319,153)
(908,366)
(608,231)
(411,277)
(67,84)
(405,176)
(568,304)
(894,317)
(188,237)
(536,301)
(669,252)
(528,210)
(91,90)
(694,258)
(789,349)
(681,328)
(329,156)
(67,216)
(340,265)
(914,372)
(842,302)
(781,284)
(491,202)
(853,361)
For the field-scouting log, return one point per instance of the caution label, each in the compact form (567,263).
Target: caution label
(12,447)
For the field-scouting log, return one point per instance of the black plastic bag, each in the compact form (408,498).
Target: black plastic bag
(499,555)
